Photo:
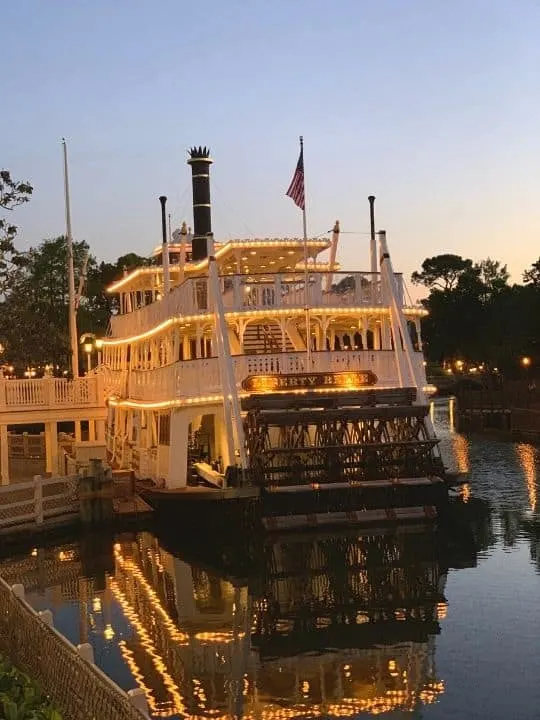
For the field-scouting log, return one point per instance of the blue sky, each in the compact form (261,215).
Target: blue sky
(431,105)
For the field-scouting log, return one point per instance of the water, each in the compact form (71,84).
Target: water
(437,625)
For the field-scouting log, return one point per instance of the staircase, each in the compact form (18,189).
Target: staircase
(265,338)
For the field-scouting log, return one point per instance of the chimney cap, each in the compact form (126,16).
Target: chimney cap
(199,153)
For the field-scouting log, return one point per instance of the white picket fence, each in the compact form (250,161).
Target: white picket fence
(39,500)
(67,674)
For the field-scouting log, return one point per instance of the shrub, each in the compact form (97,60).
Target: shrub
(20,698)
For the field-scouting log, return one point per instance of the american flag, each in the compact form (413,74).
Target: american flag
(296,188)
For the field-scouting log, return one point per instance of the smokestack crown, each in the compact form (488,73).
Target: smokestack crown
(199,153)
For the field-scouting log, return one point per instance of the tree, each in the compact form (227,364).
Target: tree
(493,276)
(12,194)
(98,305)
(532,275)
(474,314)
(441,271)
(35,313)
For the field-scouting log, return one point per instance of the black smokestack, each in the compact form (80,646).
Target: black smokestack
(163,200)
(200,161)
(371,200)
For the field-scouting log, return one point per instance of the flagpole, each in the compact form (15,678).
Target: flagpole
(71,276)
(306,278)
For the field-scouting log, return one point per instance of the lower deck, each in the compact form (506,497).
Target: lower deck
(325,459)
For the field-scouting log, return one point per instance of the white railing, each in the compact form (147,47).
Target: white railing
(190,298)
(38,500)
(201,378)
(113,380)
(70,676)
(50,393)
(257,292)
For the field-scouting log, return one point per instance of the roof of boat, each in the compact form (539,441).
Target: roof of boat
(253,256)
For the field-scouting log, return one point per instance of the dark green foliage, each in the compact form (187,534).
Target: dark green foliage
(532,275)
(20,699)
(474,314)
(12,194)
(441,272)
(34,313)
(98,305)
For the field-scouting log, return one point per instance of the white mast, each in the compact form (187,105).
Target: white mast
(333,253)
(404,356)
(71,276)
(373,250)
(306,276)
(297,193)
(231,403)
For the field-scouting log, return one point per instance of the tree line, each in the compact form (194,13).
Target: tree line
(477,316)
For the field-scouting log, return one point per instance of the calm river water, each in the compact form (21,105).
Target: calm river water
(441,624)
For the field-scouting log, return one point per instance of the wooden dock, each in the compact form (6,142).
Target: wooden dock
(131,508)
(513,408)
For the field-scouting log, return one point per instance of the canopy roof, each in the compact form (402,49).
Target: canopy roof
(268,255)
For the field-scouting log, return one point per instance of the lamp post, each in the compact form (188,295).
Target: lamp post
(88,342)
(525,363)
(88,347)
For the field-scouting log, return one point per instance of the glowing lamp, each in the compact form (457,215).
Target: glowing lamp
(525,361)
(88,347)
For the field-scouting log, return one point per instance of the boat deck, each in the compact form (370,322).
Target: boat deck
(202,493)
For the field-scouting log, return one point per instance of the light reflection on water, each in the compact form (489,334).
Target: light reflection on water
(441,624)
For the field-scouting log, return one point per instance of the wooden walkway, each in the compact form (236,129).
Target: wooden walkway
(513,408)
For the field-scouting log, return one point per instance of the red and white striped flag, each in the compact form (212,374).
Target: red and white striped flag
(296,188)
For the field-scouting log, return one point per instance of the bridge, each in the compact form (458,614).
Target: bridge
(48,401)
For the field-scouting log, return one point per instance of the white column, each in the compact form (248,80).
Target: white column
(386,334)
(178,450)
(221,439)
(376,335)
(100,430)
(51,448)
(363,332)
(4,456)
(77,431)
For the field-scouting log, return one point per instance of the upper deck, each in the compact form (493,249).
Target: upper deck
(262,293)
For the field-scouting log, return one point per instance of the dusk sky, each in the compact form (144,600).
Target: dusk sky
(433,106)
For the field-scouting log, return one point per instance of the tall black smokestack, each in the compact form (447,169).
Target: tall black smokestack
(163,200)
(373,242)
(200,161)
(165,247)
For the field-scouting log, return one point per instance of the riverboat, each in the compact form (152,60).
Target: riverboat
(256,373)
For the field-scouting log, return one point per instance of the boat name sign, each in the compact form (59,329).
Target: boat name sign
(348,380)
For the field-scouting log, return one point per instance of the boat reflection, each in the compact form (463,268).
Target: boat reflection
(331,626)
(323,625)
